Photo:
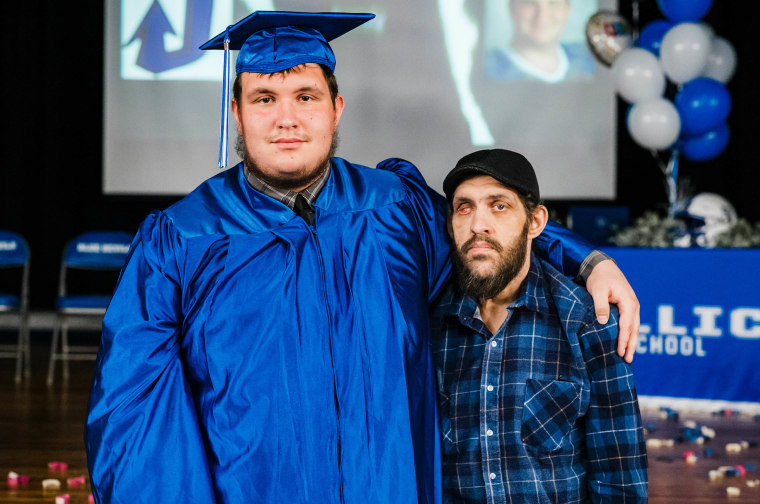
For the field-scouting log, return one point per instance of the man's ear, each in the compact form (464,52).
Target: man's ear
(236,114)
(538,221)
(339,103)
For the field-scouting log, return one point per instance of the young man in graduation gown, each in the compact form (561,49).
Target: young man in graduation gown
(268,340)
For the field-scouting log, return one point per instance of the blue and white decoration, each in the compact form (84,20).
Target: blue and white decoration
(686,52)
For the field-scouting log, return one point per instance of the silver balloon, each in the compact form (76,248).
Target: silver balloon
(637,75)
(608,34)
(684,51)
(721,63)
(654,124)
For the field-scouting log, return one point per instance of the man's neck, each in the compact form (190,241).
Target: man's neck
(493,311)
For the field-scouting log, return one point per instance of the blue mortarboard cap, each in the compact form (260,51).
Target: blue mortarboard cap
(272,41)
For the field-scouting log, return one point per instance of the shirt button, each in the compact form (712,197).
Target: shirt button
(489,432)
(493,343)
(492,476)
(489,388)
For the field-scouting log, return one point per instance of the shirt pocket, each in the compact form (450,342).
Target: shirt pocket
(550,411)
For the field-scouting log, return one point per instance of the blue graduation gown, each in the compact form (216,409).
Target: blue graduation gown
(249,357)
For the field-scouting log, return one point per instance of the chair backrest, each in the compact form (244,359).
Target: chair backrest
(14,251)
(97,250)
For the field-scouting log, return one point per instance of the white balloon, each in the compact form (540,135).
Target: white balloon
(708,30)
(684,51)
(721,62)
(654,124)
(638,75)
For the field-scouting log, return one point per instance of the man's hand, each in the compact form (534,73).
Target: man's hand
(607,284)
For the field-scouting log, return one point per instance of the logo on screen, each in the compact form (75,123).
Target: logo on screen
(160,38)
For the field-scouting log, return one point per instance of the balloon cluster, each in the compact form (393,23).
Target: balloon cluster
(685,51)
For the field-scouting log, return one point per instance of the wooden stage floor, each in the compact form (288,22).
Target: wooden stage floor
(40,424)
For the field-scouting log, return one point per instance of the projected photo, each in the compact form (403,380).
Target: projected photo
(423,81)
(538,39)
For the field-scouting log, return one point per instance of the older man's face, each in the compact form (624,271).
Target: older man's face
(490,228)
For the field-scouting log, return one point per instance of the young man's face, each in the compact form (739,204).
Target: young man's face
(287,122)
(492,233)
(539,22)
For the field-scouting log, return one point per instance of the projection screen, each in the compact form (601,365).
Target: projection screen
(427,81)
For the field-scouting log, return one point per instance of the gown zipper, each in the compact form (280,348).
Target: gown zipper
(312,229)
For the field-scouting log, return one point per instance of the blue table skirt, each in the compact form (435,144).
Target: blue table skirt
(700,316)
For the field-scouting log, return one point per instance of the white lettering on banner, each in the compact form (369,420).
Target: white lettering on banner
(739,326)
(7,245)
(677,339)
(744,322)
(102,248)
(665,323)
(670,345)
(641,346)
(707,317)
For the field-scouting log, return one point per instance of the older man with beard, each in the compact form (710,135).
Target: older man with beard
(535,405)
(268,340)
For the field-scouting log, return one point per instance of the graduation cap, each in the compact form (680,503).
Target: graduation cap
(272,41)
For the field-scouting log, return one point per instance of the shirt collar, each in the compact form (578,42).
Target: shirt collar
(285,196)
(527,67)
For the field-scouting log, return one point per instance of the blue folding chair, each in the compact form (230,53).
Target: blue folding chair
(99,251)
(14,306)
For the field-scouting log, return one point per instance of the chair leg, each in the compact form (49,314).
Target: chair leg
(19,352)
(20,348)
(28,348)
(53,350)
(65,350)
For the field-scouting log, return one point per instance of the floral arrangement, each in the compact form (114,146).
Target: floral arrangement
(655,230)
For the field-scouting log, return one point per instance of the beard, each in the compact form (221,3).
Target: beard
(303,179)
(487,286)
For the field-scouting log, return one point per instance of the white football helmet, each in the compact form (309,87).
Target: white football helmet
(709,214)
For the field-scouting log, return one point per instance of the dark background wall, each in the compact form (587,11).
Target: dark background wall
(50,180)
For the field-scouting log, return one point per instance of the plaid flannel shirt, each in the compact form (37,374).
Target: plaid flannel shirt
(542,411)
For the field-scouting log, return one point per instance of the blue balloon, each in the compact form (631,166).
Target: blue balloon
(651,36)
(703,104)
(706,146)
(680,11)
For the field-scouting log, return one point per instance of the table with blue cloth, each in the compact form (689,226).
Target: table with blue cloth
(700,321)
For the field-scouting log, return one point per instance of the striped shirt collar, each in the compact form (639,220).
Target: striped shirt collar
(285,196)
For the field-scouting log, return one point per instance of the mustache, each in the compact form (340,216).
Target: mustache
(301,137)
(480,238)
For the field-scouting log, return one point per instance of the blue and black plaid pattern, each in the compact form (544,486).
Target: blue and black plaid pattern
(544,410)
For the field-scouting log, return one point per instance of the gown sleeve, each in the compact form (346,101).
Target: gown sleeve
(429,212)
(142,436)
(562,248)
